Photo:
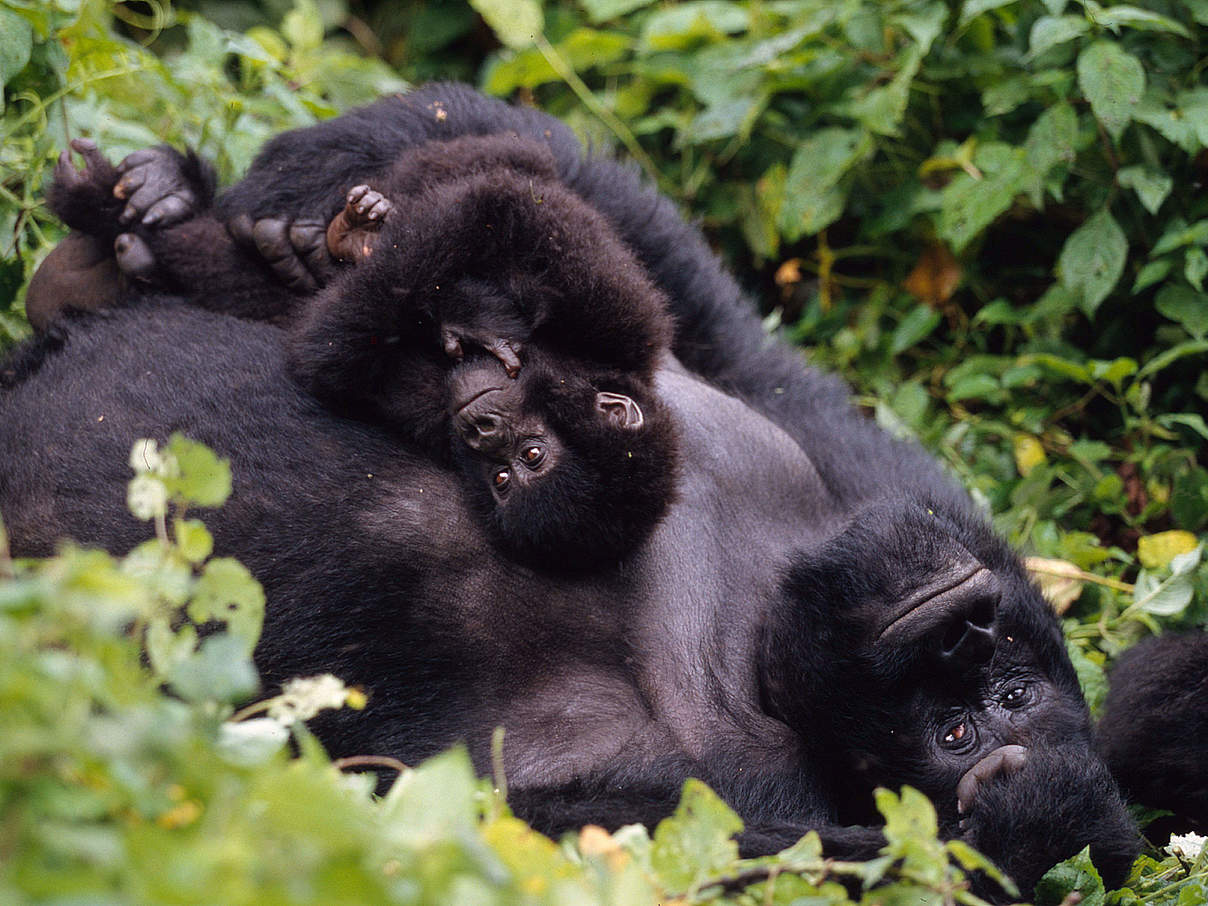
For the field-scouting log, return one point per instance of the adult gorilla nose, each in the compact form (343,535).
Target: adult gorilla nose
(483,431)
(954,615)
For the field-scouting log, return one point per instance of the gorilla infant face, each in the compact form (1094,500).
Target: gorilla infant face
(567,474)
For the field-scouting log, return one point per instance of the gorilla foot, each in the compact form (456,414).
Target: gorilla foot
(296,250)
(158,188)
(1004,760)
(83,198)
(352,232)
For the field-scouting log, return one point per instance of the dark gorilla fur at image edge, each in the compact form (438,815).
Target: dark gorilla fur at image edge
(821,610)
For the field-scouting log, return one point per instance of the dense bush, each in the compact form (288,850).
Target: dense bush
(987,214)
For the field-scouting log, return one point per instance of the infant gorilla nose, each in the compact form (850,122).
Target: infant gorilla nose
(1004,761)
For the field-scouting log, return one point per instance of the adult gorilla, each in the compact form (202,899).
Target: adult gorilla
(820,611)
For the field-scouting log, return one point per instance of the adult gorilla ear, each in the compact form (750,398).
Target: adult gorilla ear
(619,410)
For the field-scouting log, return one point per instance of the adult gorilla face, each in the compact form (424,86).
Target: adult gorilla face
(939,666)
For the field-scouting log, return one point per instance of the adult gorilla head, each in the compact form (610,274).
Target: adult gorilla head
(940,666)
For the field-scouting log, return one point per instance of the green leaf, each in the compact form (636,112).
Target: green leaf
(517,23)
(969,205)
(250,742)
(432,802)
(971,9)
(1179,234)
(1185,306)
(682,25)
(1092,260)
(1075,875)
(1189,498)
(813,198)
(16,42)
(303,25)
(924,22)
(1091,676)
(1113,81)
(1165,598)
(1050,142)
(971,860)
(1195,267)
(696,842)
(1151,186)
(921,321)
(220,671)
(227,591)
(203,479)
(193,539)
(1113,17)
(602,10)
(1049,31)
(881,110)
(1151,273)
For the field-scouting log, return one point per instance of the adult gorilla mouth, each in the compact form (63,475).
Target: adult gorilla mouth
(1004,760)
(968,597)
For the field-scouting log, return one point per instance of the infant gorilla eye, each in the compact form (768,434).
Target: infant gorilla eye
(532,456)
(500,479)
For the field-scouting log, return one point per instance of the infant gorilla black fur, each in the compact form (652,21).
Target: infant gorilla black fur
(1154,729)
(470,246)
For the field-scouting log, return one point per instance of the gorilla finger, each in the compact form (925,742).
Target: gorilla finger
(380,209)
(1004,760)
(508,354)
(131,182)
(240,227)
(170,210)
(452,345)
(65,173)
(309,239)
(88,150)
(271,236)
(356,193)
(133,255)
(137,159)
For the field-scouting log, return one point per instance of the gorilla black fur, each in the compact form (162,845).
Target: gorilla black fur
(819,612)
(1154,728)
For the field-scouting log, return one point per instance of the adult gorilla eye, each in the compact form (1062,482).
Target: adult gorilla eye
(501,479)
(1017,697)
(958,735)
(532,456)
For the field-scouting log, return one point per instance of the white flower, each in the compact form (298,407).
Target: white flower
(1186,846)
(304,697)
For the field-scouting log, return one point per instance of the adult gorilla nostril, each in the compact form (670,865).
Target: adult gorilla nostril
(967,643)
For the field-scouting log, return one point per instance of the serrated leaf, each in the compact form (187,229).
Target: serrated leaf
(1076,875)
(1049,31)
(1151,186)
(1156,551)
(924,23)
(227,591)
(1092,260)
(1165,598)
(1113,81)
(969,205)
(1091,676)
(1185,306)
(696,842)
(517,23)
(813,198)
(909,817)
(881,109)
(202,478)
(681,25)
(1195,267)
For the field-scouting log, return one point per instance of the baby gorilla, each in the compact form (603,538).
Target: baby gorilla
(1154,729)
(472,246)
(486,315)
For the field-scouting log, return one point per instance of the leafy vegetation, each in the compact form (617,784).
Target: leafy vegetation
(986,214)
